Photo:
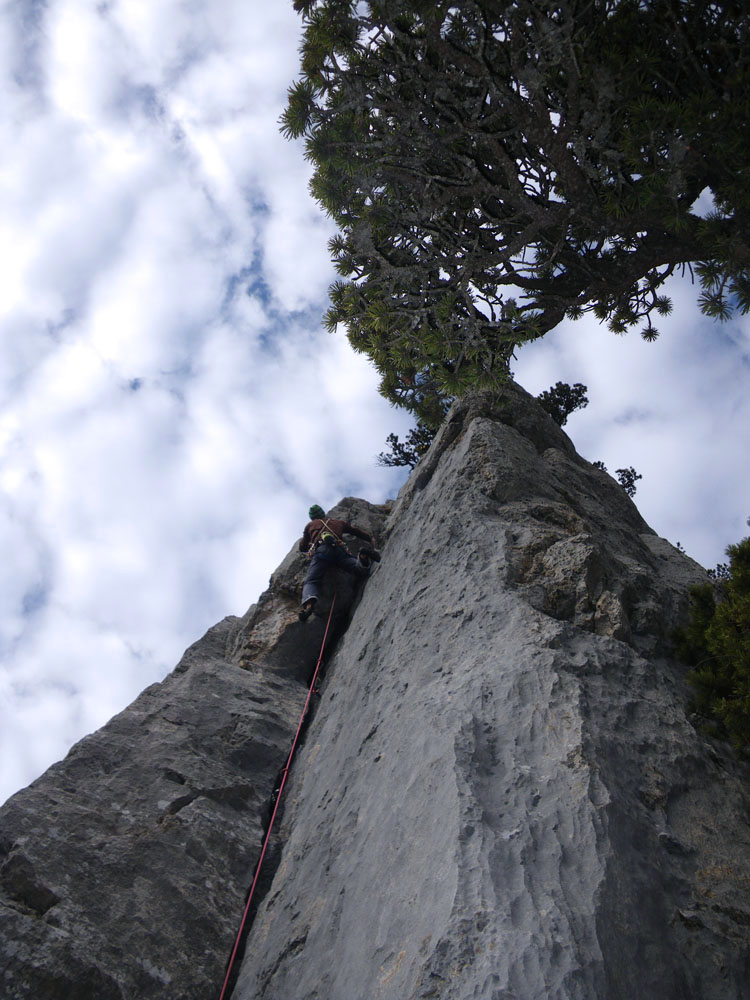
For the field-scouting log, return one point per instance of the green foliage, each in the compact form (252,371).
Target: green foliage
(494,167)
(627,478)
(721,572)
(418,440)
(562,399)
(716,643)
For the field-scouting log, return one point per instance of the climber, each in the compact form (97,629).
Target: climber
(323,543)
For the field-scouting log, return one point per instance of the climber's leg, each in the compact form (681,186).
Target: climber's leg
(307,609)
(366,553)
(351,564)
(319,564)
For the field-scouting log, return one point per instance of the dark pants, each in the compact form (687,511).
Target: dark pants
(324,557)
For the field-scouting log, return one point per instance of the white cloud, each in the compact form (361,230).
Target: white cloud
(676,410)
(171,405)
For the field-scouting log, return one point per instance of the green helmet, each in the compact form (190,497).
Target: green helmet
(316,511)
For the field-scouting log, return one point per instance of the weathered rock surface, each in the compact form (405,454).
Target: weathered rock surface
(124,869)
(500,796)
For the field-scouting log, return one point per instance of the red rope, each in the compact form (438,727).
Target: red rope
(285,774)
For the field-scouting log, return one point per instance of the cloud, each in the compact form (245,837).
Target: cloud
(171,405)
(677,410)
(172,401)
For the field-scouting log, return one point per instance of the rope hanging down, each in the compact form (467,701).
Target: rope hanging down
(284,775)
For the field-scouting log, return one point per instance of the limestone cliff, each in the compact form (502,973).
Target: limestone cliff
(499,796)
(124,868)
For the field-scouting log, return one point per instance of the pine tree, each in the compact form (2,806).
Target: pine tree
(627,478)
(418,440)
(716,643)
(494,167)
(562,399)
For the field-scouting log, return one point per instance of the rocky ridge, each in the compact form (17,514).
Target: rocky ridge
(124,868)
(500,794)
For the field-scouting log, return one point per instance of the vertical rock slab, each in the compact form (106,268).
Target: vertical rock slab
(124,868)
(501,796)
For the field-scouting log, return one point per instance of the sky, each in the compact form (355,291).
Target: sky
(170,404)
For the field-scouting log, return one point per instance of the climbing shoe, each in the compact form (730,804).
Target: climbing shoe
(369,553)
(307,610)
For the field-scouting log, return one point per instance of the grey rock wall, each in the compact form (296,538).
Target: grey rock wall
(500,795)
(124,868)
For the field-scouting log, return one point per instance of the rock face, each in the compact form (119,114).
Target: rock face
(124,869)
(500,795)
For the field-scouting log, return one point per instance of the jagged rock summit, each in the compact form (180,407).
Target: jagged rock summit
(500,795)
